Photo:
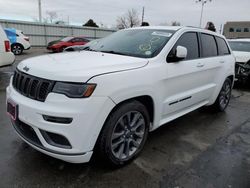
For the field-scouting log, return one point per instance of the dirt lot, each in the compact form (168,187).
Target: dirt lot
(201,149)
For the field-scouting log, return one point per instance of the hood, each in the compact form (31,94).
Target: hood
(78,66)
(242,57)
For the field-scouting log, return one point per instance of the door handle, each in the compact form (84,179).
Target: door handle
(200,65)
(222,61)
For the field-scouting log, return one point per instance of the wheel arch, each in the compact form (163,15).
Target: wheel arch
(146,100)
(17,44)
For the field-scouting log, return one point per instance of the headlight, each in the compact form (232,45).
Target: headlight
(74,90)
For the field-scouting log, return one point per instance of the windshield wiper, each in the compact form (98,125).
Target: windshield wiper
(114,52)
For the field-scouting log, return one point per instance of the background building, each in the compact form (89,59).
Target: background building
(237,29)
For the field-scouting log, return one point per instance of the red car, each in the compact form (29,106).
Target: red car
(60,45)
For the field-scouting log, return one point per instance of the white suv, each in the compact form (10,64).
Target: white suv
(19,41)
(6,56)
(107,99)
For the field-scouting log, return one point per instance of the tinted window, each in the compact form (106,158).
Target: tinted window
(231,30)
(190,41)
(222,46)
(238,30)
(77,40)
(246,29)
(208,45)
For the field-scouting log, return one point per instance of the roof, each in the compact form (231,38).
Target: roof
(175,28)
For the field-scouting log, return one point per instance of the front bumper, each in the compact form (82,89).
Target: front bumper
(88,116)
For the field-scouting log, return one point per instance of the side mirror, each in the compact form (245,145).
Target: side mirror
(181,52)
(178,54)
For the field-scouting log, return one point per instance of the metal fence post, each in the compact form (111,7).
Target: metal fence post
(45,35)
(95,33)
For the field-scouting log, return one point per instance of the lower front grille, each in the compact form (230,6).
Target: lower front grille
(27,132)
(31,86)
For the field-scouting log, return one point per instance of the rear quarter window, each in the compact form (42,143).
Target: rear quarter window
(222,46)
(209,47)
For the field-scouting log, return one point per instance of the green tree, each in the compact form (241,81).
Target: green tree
(90,23)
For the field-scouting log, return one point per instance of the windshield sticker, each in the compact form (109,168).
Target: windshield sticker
(145,47)
(148,53)
(162,34)
(154,39)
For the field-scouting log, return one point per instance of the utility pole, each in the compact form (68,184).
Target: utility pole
(142,19)
(203,2)
(40,10)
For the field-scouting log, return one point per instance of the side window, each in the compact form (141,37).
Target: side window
(222,46)
(76,40)
(238,30)
(246,30)
(190,41)
(209,47)
(85,40)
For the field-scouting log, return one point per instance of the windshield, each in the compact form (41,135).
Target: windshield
(66,39)
(240,46)
(145,43)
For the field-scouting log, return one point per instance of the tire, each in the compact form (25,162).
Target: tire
(61,49)
(119,141)
(17,49)
(224,96)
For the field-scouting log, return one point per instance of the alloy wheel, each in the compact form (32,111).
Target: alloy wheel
(128,134)
(225,95)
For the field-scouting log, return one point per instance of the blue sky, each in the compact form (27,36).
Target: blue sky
(157,12)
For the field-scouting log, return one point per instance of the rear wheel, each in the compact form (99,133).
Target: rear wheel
(224,96)
(17,49)
(124,133)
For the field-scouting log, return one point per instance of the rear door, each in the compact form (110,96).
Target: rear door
(212,61)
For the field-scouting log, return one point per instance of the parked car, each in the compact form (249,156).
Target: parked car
(107,99)
(6,56)
(81,47)
(18,40)
(241,50)
(60,45)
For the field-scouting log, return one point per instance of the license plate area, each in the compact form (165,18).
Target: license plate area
(12,110)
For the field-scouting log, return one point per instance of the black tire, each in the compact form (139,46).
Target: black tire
(62,48)
(224,96)
(17,49)
(106,149)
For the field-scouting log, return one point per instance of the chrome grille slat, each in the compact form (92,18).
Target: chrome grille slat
(31,86)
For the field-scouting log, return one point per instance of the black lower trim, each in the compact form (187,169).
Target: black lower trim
(181,100)
(32,142)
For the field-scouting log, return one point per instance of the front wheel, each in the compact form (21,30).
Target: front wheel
(224,96)
(124,133)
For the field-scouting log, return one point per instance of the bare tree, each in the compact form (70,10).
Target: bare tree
(52,15)
(130,19)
